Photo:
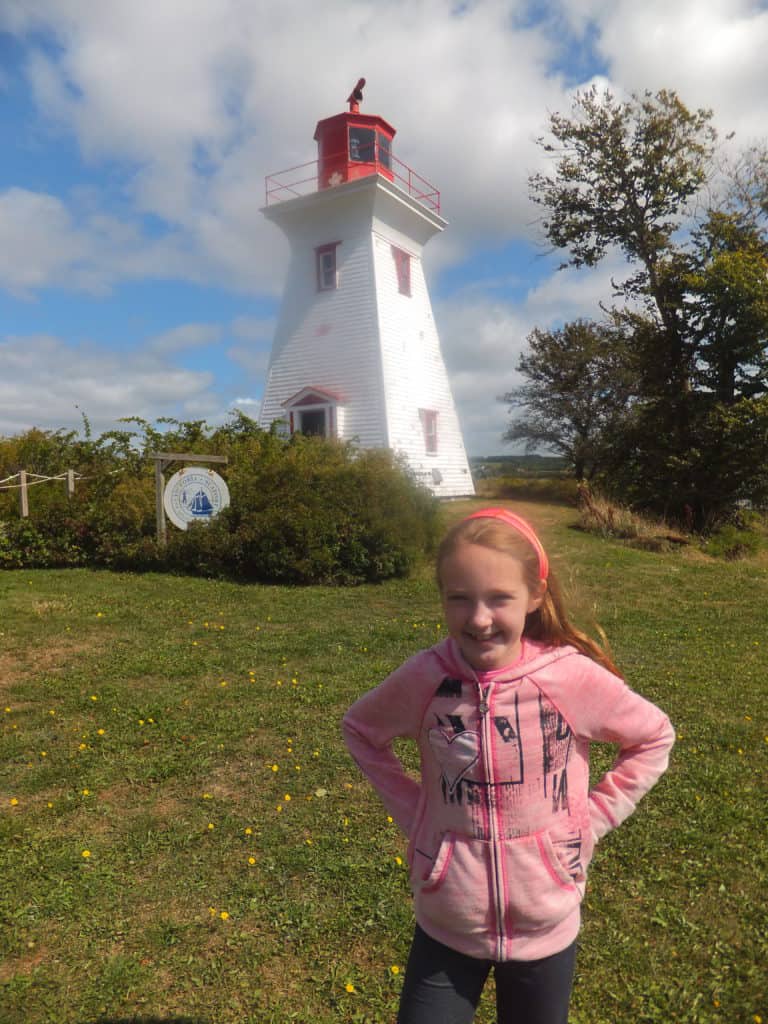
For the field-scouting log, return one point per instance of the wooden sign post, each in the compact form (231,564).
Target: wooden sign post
(162,461)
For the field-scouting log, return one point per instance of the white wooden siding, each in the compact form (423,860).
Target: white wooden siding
(365,341)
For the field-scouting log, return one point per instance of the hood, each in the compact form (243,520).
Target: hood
(534,656)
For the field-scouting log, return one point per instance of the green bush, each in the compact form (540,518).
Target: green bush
(733,542)
(304,510)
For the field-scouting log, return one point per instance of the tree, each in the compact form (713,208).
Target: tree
(578,386)
(726,304)
(639,177)
(625,174)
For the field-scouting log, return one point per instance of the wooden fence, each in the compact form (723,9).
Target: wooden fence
(22,481)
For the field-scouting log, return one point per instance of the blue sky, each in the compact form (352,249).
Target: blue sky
(137,275)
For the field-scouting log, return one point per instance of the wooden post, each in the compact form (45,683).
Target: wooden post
(162,462)
(23,496)
(70,483)
(162,534)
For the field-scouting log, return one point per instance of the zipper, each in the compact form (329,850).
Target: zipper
(497,870)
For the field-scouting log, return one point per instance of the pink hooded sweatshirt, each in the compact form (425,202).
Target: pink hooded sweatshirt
(502,825)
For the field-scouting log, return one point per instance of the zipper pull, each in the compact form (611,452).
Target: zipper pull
(483,707)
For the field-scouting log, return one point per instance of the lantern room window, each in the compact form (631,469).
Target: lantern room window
(428,419)
(403,268)
(367,146)
(325,266)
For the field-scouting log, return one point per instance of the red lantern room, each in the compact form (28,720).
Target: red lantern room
(353,145)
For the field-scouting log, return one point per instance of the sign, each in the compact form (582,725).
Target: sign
(194,496)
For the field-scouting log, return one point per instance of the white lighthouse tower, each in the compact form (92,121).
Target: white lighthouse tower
(356,354)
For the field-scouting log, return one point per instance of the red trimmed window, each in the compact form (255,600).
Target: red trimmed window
(403,268)
(428,419)
(325,265)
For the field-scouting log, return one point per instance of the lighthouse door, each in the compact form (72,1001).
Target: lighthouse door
(312,421)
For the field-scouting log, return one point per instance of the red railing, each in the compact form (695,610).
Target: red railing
(302,180)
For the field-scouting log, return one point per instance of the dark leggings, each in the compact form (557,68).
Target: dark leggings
(443,986)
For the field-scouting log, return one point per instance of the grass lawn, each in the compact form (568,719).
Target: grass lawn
(185,838)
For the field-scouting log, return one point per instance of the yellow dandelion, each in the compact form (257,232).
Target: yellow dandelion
(275,768)
(249,831)
(99,615)
(287,797)
(224,915)
(94,696)
(349,987)
(86,854)
(83,746)
(14,802)
(100,732)
(279,808)
(399,861)
(390,819)
(86,792)
(251,860)
(394,969)
(7,711)
(211,826)
(43,753)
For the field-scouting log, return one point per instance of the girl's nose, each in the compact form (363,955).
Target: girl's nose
(480,615)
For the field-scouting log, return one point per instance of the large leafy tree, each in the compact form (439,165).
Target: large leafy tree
(638,177)
(577,387)
(625,174)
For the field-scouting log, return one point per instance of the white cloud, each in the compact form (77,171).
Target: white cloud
(44,381)
(198,99)
(185,105)
(184,337)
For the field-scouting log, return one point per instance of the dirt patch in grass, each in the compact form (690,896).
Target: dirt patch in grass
(24,965)
(50,659)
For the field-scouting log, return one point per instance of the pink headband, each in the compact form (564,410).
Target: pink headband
(523,527)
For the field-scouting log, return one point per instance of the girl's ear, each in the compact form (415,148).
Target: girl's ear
(537,596)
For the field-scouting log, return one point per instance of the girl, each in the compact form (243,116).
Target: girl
(502,823)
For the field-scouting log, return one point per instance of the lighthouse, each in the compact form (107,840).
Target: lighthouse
(356,353)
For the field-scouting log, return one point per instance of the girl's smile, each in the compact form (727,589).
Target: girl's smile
(485,601)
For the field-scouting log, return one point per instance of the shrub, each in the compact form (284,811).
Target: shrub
(305,510)
(733,542)
(598,514)
(321,512)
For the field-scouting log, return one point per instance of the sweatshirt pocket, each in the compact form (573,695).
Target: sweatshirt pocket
(467,891)
(451,892)
(539,891)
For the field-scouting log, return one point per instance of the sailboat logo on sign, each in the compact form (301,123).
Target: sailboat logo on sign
(194,496)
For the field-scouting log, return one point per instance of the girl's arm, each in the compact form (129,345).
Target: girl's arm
(608,711)
(392,709)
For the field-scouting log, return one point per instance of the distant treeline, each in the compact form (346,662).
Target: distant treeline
(518,465)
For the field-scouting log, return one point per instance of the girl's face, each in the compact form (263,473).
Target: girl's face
(485,602)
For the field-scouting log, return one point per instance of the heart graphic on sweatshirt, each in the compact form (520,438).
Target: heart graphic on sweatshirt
(455,754)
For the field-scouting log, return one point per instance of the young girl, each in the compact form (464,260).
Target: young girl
(502,824)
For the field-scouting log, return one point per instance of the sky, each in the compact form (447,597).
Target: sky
(138,276)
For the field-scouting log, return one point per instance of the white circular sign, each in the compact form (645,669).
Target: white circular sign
(194,496)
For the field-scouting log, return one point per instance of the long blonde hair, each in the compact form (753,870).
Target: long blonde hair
(549,623)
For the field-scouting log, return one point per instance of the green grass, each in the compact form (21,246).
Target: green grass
(115,685)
